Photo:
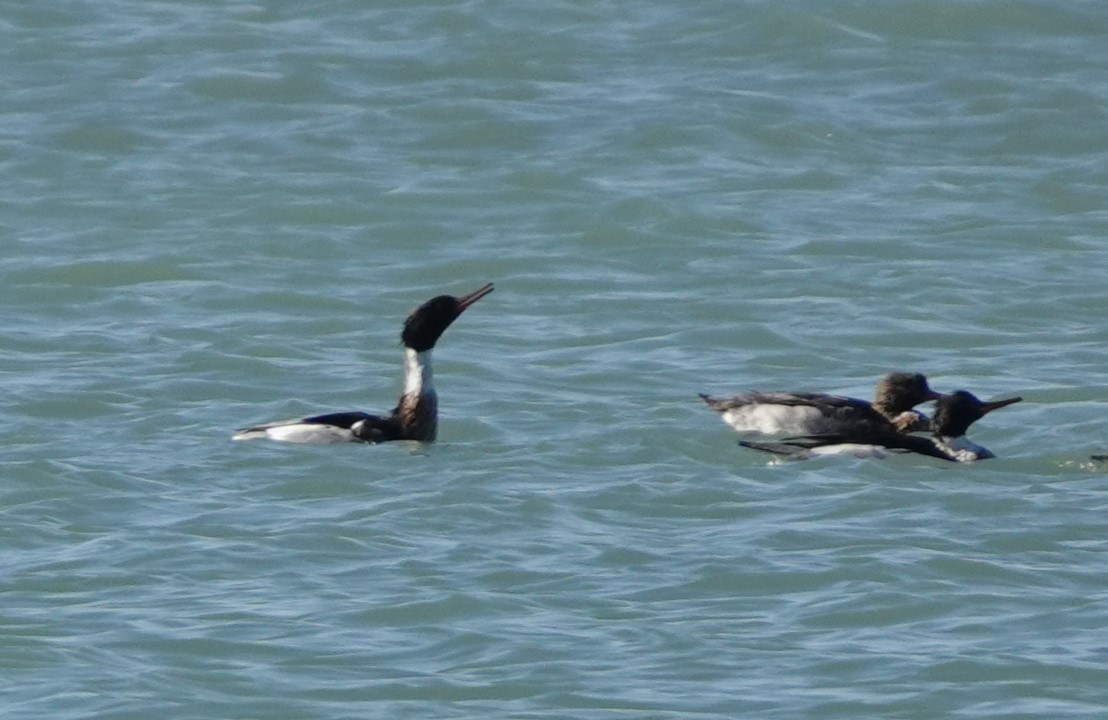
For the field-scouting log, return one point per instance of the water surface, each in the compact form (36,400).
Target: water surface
(219,214)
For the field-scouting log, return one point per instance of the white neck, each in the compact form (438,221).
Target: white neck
(418,378)
(964,449)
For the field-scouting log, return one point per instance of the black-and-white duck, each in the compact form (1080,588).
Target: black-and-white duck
(954,413)
(415,416)
(804,413)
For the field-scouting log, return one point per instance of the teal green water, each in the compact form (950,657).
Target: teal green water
(216,214)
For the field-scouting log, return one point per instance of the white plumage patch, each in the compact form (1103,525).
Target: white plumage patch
(775,419)
(965,450)
(297,432)
(418,377)
(857,450)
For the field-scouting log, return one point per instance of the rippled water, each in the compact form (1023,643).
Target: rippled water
(217,214)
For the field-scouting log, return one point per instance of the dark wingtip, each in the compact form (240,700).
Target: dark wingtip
(710,401)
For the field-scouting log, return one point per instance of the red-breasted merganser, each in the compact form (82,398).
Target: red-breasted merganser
(802,413)
(415,416)
(954,414)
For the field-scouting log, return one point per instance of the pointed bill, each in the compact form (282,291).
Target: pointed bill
(997,404)
(466,300)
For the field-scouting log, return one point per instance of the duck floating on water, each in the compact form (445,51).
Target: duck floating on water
(803,413)
(954,413)
(415,416)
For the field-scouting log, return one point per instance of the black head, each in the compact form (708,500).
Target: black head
(427,322)
(899,392)
(955,412)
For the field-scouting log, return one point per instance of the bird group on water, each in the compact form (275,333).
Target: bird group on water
(805,424)
(818,424)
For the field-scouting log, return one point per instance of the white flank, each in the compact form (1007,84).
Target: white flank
(857,450)
(775,419)
(308,433)
(418,378)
